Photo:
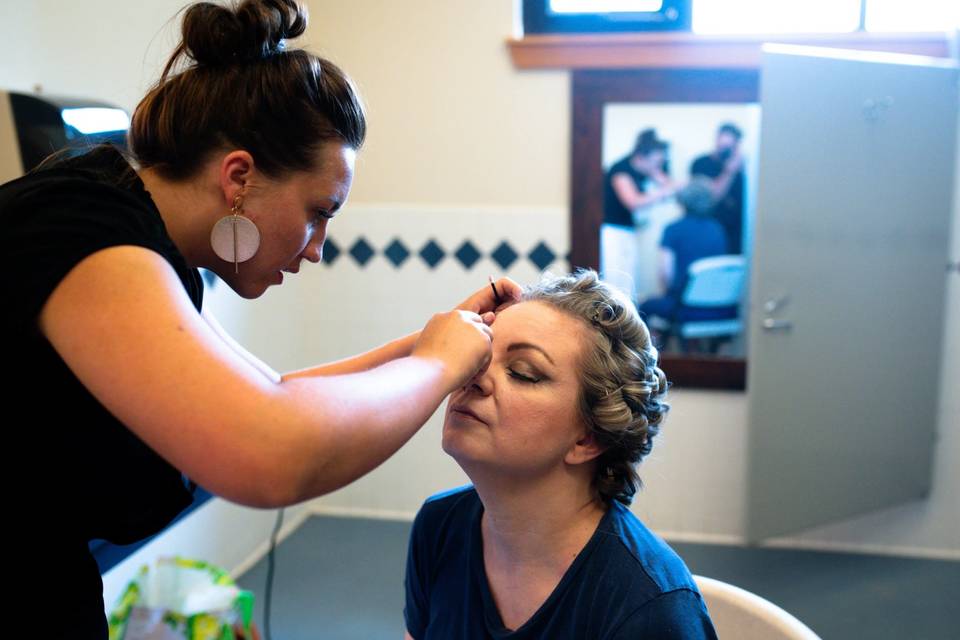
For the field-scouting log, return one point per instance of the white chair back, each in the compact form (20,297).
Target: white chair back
(738,614)
(715,282)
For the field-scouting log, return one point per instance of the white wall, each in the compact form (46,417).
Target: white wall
(461,146)
(107,49)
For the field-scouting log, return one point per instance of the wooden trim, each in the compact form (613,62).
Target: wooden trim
(672,50)
(705,372)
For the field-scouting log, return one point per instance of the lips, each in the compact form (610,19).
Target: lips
(466,411)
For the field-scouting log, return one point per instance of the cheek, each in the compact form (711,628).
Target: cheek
(531,418)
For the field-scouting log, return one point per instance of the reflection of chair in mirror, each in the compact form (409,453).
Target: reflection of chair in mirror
(737,613)
(709,307)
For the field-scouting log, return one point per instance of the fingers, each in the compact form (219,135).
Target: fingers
(486,299)
(510,292)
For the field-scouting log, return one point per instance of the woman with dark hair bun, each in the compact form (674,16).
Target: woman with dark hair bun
(631,188)
(241,155)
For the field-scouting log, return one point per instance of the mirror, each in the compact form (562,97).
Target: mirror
(679,181)
(662,206)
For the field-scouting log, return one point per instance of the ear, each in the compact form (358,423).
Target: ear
(585,449)
(236,170)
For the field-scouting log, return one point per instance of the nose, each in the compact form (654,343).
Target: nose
(314,249)
(481,382)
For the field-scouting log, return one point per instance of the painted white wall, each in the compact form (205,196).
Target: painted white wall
(106,49)
(461,145)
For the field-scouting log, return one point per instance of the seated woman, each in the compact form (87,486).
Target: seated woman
(543,544)
(694,236)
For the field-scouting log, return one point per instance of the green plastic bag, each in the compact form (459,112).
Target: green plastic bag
(181,599)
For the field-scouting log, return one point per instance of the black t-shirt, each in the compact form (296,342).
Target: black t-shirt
(88,475)
(729,209)
(625,584)
(613,210)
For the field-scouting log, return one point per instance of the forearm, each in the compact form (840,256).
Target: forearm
(399,348)
(645,199)
(346,425)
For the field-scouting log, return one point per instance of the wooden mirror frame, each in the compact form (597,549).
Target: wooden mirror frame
(591,90)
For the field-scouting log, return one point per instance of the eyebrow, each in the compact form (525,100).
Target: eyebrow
(527,345)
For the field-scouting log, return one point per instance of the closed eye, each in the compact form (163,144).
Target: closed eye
(522,378)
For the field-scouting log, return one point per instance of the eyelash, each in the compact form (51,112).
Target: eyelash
(522,378)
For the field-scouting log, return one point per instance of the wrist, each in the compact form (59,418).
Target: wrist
(437,370)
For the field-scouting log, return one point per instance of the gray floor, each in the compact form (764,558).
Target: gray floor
(342,578)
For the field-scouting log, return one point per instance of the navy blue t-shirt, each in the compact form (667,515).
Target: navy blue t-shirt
(626,583)
(691,238)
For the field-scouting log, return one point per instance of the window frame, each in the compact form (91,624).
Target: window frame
(674,15)
(684,50)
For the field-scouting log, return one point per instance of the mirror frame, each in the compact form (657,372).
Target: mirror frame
(591,90)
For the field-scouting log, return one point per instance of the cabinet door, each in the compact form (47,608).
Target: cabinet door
(854,203)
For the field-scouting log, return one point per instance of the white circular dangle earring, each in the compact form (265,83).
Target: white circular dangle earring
(235,238)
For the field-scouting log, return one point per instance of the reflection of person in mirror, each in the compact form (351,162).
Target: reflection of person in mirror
(631,186)
(543,543)
(696,235)
(724,167)
(637,181)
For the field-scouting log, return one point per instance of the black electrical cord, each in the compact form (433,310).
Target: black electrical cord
(267,597)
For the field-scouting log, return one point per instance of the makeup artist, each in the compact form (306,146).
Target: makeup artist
(125,389)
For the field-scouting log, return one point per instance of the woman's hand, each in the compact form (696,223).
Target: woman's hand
(483,300)
(460,340)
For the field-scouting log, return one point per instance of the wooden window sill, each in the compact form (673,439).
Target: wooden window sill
(692,51)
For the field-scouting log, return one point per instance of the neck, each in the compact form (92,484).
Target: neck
(182,205)
(544,521)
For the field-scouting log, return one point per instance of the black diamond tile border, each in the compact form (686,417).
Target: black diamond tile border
(504,255)
(542,256)
(361,251)
(396,253)
(330,251)
(467,254)
(432,254)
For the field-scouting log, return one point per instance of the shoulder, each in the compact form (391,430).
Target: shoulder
(95,199)
(703,165)
(680,614)
(100,180)
(621,166)
(675,230)
(648,590)
(645,552)
(451,503)
(445,519)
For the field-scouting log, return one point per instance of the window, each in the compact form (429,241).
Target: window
(916,15)
(739,16)
(592,16)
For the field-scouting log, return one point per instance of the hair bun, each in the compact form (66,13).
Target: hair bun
(256,29)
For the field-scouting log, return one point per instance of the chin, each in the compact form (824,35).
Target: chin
(453,443)
(467,452)
(246,290)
